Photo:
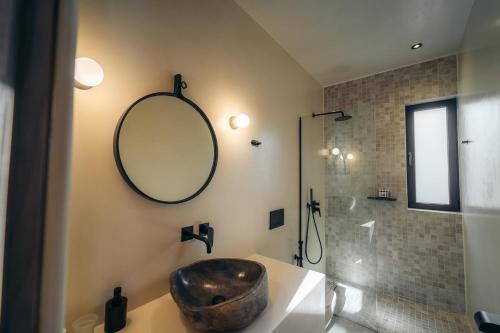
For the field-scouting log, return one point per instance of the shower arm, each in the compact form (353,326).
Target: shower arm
(314,115)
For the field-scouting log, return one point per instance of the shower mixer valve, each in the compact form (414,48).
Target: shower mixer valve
(314,206)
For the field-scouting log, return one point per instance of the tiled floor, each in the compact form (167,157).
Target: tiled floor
(346,326)
(402,316)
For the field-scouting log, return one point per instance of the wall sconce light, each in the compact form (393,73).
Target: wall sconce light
(88,73)
(341,155)
(240,121)
(336,152)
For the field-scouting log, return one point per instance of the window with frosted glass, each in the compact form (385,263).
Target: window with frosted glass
(432,157)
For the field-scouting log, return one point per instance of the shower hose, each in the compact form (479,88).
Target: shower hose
(310,212)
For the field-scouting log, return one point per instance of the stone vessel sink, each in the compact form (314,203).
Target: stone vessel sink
(220,294)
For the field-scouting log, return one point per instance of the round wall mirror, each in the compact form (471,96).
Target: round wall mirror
(165,147)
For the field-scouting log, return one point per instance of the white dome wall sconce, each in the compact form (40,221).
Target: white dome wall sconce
(240,121)
(88,73)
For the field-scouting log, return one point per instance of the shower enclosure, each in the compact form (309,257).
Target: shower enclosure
(394,269)
(338,158)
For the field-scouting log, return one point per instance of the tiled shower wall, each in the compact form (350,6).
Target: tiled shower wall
(383,247)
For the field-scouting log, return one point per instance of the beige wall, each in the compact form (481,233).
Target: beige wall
(479,121)
(231,65)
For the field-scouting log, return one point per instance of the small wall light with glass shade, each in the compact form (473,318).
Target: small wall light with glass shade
(336,152)
(342,156)
(88,73)
(240,121)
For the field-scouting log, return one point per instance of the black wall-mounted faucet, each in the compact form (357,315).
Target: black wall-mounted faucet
(205,234)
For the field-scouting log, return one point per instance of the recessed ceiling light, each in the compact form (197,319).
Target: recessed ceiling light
(416,46)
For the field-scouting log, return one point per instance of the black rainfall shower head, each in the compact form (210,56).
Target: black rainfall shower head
(343,117)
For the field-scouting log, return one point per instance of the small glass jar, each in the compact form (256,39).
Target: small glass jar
(384,193)
(85,324)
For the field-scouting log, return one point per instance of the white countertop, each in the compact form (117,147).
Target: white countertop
(296,304)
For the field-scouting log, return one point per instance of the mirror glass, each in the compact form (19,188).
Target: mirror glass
(165,148)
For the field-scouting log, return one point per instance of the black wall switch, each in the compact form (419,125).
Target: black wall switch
(276,218)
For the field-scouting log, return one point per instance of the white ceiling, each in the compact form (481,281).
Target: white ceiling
(339,40)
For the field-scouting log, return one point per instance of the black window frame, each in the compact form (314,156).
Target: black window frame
(454,187)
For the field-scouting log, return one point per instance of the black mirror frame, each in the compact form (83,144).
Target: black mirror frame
(178,86)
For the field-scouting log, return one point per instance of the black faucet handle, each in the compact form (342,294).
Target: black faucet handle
(316,207)
(206,230)
(211,236)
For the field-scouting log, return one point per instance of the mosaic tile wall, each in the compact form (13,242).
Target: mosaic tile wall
(382,248)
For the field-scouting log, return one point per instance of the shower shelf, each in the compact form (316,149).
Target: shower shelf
(382,198)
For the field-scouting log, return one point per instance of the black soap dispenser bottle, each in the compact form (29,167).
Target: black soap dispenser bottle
(115,317)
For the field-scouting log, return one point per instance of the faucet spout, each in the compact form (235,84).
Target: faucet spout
(206,235)
(204,240)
